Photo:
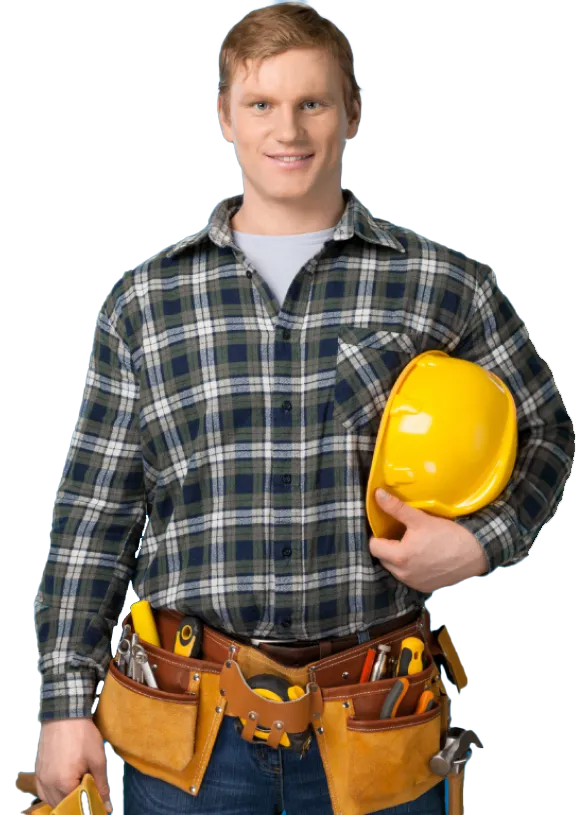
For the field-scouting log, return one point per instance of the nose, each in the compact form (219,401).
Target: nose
(287,124)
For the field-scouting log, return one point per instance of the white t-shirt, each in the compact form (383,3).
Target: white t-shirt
(279,258)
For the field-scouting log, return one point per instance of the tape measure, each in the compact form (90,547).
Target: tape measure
(277,689)
(188,637)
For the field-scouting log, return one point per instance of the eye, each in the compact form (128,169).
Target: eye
(306,103)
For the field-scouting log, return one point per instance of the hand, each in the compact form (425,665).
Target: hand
(68,748)
(433,552)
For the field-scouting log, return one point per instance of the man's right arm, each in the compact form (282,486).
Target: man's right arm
(98,518)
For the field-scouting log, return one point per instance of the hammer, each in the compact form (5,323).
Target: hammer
(451,761)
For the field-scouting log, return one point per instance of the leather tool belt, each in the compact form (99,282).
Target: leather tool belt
(370,763)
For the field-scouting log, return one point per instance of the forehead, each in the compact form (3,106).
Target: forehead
(303,70)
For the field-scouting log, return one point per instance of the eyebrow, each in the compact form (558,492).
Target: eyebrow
(313,94)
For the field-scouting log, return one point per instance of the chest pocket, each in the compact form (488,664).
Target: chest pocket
(367,366)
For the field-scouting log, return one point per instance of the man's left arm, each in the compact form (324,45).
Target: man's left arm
(497,339)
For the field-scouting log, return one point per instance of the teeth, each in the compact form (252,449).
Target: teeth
(289,158)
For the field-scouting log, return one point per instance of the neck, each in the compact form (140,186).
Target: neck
(261,215)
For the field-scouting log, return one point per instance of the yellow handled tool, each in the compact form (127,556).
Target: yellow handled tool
(188,638)
(144,623)
(411,657)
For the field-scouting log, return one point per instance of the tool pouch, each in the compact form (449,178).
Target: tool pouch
(370,763)
(374,763)
(168,732)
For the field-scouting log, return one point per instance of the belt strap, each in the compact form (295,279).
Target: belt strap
(302,653)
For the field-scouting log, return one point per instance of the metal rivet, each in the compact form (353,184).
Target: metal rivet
(278,725)
(320,730)
(196,677)
(346,704)
(228,663)
(252,715)
(218,710)
(345,675)
(154,667)
(192,789)
(222,692)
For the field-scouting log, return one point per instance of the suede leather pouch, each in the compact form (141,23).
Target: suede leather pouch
(169,732)
(374,763)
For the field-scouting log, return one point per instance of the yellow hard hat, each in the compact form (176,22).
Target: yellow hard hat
(446,443)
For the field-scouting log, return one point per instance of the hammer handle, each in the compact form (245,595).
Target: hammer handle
(456,793)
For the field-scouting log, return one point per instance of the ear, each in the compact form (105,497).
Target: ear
(354,120)
(225,124)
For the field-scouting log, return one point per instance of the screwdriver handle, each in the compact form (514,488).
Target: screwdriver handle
(144,622)
(411,657)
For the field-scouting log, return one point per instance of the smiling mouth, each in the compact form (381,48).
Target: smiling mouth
(291,162)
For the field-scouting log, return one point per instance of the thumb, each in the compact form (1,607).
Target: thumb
(97,768)
(409,516)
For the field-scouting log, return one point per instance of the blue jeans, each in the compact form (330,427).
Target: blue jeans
(252,779)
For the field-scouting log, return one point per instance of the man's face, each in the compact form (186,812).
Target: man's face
(290,103)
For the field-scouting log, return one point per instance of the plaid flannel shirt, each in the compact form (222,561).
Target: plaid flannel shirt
(238,436)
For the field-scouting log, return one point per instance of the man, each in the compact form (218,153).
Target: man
(212,406)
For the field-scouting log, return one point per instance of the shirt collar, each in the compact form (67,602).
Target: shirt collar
(356,219)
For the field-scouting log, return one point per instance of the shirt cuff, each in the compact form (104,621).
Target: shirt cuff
(497,532)
(67,696)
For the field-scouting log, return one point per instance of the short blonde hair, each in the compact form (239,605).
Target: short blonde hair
(271,30)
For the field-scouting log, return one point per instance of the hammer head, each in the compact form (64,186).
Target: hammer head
(456,748)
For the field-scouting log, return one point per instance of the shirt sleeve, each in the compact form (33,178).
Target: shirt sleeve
(98,518)
(497,339)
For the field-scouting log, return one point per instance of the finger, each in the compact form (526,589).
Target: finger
(391,552)
(409,516)
(98,771)
(40,793)
(53,794)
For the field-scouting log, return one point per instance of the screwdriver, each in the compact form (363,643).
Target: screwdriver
(144,623)
(410,660)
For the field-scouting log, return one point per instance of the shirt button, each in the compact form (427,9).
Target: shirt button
(248,273)
(286,623)
(287,405)
(287,551)
(287,478)
(286,334)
